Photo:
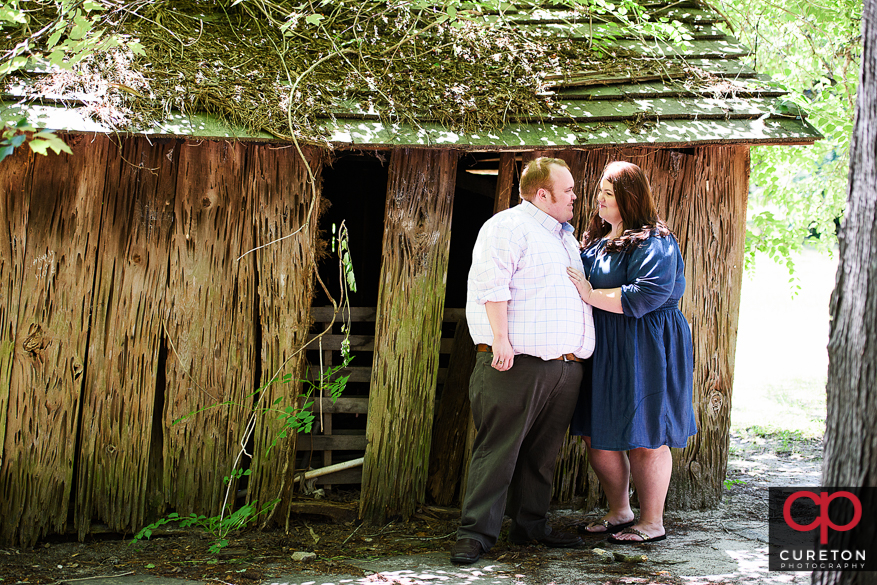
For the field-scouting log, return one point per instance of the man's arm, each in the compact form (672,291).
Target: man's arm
(498,317)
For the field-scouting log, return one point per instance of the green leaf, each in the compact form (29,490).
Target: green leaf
(10,14)
(56,57)
(39,146)
(136,48)
(90,5)
(13,64)
(53,40)
(81,27)
(314,18)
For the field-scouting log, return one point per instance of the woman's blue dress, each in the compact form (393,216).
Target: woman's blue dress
(640,390)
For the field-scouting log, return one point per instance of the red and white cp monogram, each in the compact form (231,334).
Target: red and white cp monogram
(823,522)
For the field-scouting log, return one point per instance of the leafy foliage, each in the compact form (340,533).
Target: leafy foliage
(16,132)
(813,50)
(217,526)
(72,34)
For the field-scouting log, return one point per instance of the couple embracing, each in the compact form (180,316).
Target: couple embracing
(589,338)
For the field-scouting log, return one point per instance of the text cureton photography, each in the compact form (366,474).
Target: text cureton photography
(822,529)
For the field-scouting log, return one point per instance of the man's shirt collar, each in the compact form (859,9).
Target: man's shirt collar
(545,220)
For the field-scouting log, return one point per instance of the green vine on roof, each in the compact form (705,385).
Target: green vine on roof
(288,67)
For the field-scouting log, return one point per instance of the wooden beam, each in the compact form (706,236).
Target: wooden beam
(417,230)
(505,181)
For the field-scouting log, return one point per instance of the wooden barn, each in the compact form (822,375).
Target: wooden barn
(157,278)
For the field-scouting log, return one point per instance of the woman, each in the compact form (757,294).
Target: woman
(638,403)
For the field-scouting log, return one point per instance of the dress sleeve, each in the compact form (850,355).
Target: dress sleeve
(651,277)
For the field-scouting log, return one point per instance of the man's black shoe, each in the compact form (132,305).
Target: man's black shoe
(466,551)
(556,540)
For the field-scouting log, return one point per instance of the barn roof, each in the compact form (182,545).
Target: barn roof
(545,78)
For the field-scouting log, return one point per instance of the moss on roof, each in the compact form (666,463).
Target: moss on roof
(286,67)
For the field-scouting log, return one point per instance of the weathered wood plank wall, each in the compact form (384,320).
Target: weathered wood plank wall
(123,365)
(14,200)
(416,244)
(124,306)
(284,199)
(127,307)
(209,307)
(62,223)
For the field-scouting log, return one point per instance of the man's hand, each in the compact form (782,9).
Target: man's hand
(498,316)
(503,354)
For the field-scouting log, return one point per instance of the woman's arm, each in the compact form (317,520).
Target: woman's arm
(607,299)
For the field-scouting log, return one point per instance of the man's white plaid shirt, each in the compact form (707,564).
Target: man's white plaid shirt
(521,256)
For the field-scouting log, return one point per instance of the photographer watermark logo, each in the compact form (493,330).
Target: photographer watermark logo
(818,529)
(823,522)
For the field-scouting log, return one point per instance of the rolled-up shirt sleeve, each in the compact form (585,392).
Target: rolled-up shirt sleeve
(651,274)
(493,266)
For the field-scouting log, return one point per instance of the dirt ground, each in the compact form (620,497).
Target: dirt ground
(726,545)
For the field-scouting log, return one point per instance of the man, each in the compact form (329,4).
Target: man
(532,332)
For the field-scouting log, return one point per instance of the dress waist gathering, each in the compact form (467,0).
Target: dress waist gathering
(670,305)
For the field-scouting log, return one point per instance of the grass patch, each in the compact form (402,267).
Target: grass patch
(793,407)
(785,441)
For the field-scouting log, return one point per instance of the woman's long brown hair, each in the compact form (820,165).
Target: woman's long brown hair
(639,216)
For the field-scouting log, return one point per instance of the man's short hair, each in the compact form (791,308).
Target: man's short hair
(537,175)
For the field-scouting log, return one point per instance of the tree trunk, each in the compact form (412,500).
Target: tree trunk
(850,457)
(417,231)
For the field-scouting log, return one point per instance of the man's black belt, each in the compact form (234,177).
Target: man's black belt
(567,357)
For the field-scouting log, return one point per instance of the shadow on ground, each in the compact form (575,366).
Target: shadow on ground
(726,545)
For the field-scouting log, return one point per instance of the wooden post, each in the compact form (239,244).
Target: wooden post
(61,202)
(417,231)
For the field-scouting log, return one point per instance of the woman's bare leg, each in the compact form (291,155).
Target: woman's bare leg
(613,471)
(650,470)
